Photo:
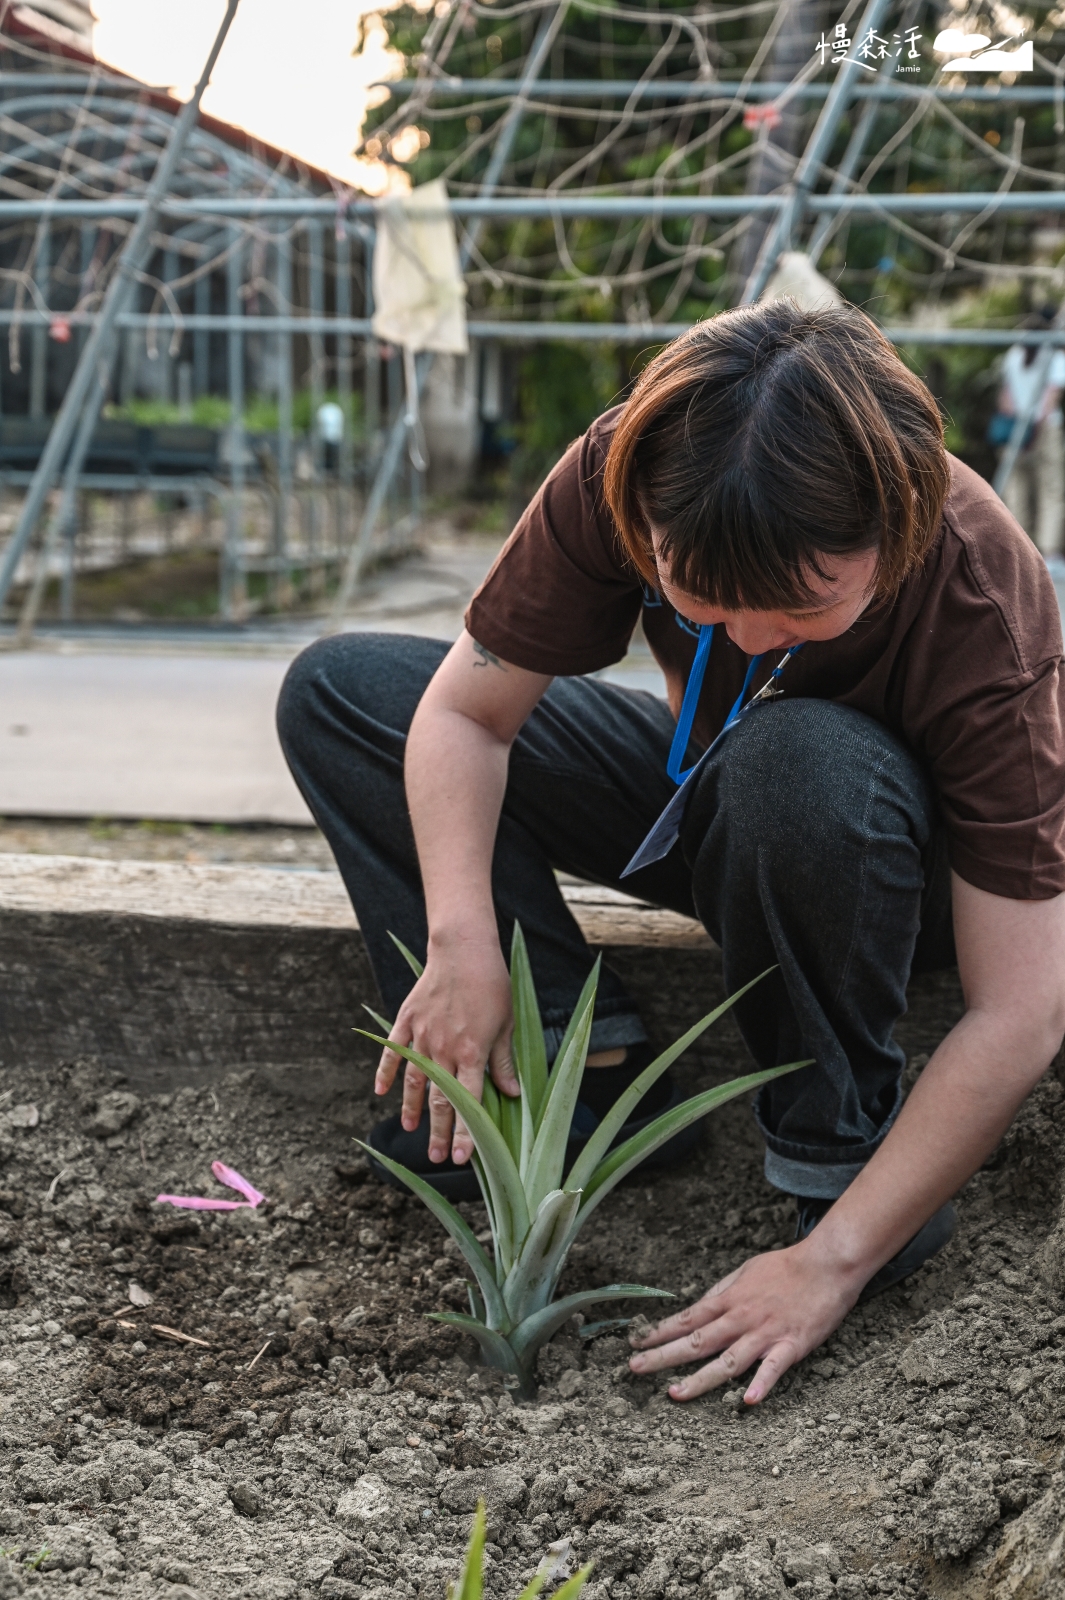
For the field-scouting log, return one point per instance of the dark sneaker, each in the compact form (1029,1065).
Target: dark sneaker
(460,1183)
(921,1248)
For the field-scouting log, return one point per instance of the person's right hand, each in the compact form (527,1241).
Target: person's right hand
(459,1015)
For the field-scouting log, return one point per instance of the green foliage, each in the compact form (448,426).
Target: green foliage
(471,1584)
(964,378)
(562,388)
(535,1210)
(261,412)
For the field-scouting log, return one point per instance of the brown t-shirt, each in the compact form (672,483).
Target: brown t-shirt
(965,666)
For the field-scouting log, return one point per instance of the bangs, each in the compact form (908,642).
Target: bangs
(768,442)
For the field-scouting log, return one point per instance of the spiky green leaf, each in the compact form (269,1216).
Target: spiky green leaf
(497,1351)
(573,1586)
(537,1329)
(628,1155)
(412,960)
(490,1098)
(591,984)
(510,1212)
(471,1584)
(530,1053)
(569,1589)
(531,1281)
(511,1118)
(619,1113)
(382,1022)
(548,1158)
(460,1231)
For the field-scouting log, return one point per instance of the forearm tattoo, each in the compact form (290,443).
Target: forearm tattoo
(487,659)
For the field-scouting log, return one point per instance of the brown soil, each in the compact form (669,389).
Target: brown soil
(326,1439)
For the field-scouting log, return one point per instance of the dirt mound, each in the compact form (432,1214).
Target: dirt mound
(313,1434)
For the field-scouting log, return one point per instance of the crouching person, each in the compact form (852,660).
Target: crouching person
(863,660)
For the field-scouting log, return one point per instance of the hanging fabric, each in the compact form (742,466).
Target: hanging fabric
(419,290)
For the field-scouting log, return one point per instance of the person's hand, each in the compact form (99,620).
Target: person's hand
(459,1015)
(774,1310)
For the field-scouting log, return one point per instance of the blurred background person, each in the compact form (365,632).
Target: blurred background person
(1035,489)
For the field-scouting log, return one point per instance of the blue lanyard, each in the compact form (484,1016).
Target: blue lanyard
(666,830)
(693,689)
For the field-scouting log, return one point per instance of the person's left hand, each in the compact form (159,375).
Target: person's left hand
(774,1310)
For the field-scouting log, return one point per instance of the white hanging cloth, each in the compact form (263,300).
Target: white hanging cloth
(419,291)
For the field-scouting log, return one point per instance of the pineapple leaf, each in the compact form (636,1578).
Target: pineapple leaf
(511,1121)
(537,1329)
(490,1100)
(509,1208)
(573,1587)
(460,1231)
(532,1278)
(586,995)
(548,1158)
(471,1584)
(530,1054)
(382,1022)
(619,1113)
(622,1160)
(412,960)
(497,1351)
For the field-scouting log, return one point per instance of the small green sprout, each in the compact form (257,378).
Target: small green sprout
(534,1212)
(471,1584)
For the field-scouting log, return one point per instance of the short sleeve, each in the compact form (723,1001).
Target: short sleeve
(561,597)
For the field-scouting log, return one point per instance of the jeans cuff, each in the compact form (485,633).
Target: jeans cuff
(818,1171)
(810,1180)
(608,1033)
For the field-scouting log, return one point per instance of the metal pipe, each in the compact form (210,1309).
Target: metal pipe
(231,596)
(371,356)
(62,525)
(39,338)
(284,408)
(526,331)
(719,89)
(546,32)
(55,80)
(201,348)
(856,143)
(578,205)
(808,171)
(345,385)
(98,347)
(316,385)
(626,332)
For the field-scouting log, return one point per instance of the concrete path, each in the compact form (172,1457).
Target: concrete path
(178,723)
(139,735)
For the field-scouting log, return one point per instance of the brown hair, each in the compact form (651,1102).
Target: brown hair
(767,438)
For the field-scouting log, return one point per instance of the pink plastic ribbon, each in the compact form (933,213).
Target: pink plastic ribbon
(231,1179)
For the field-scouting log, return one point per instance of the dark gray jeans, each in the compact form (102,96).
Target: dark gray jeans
(811,842)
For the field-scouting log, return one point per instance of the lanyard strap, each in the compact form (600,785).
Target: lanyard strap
(678,749)
(666,830)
